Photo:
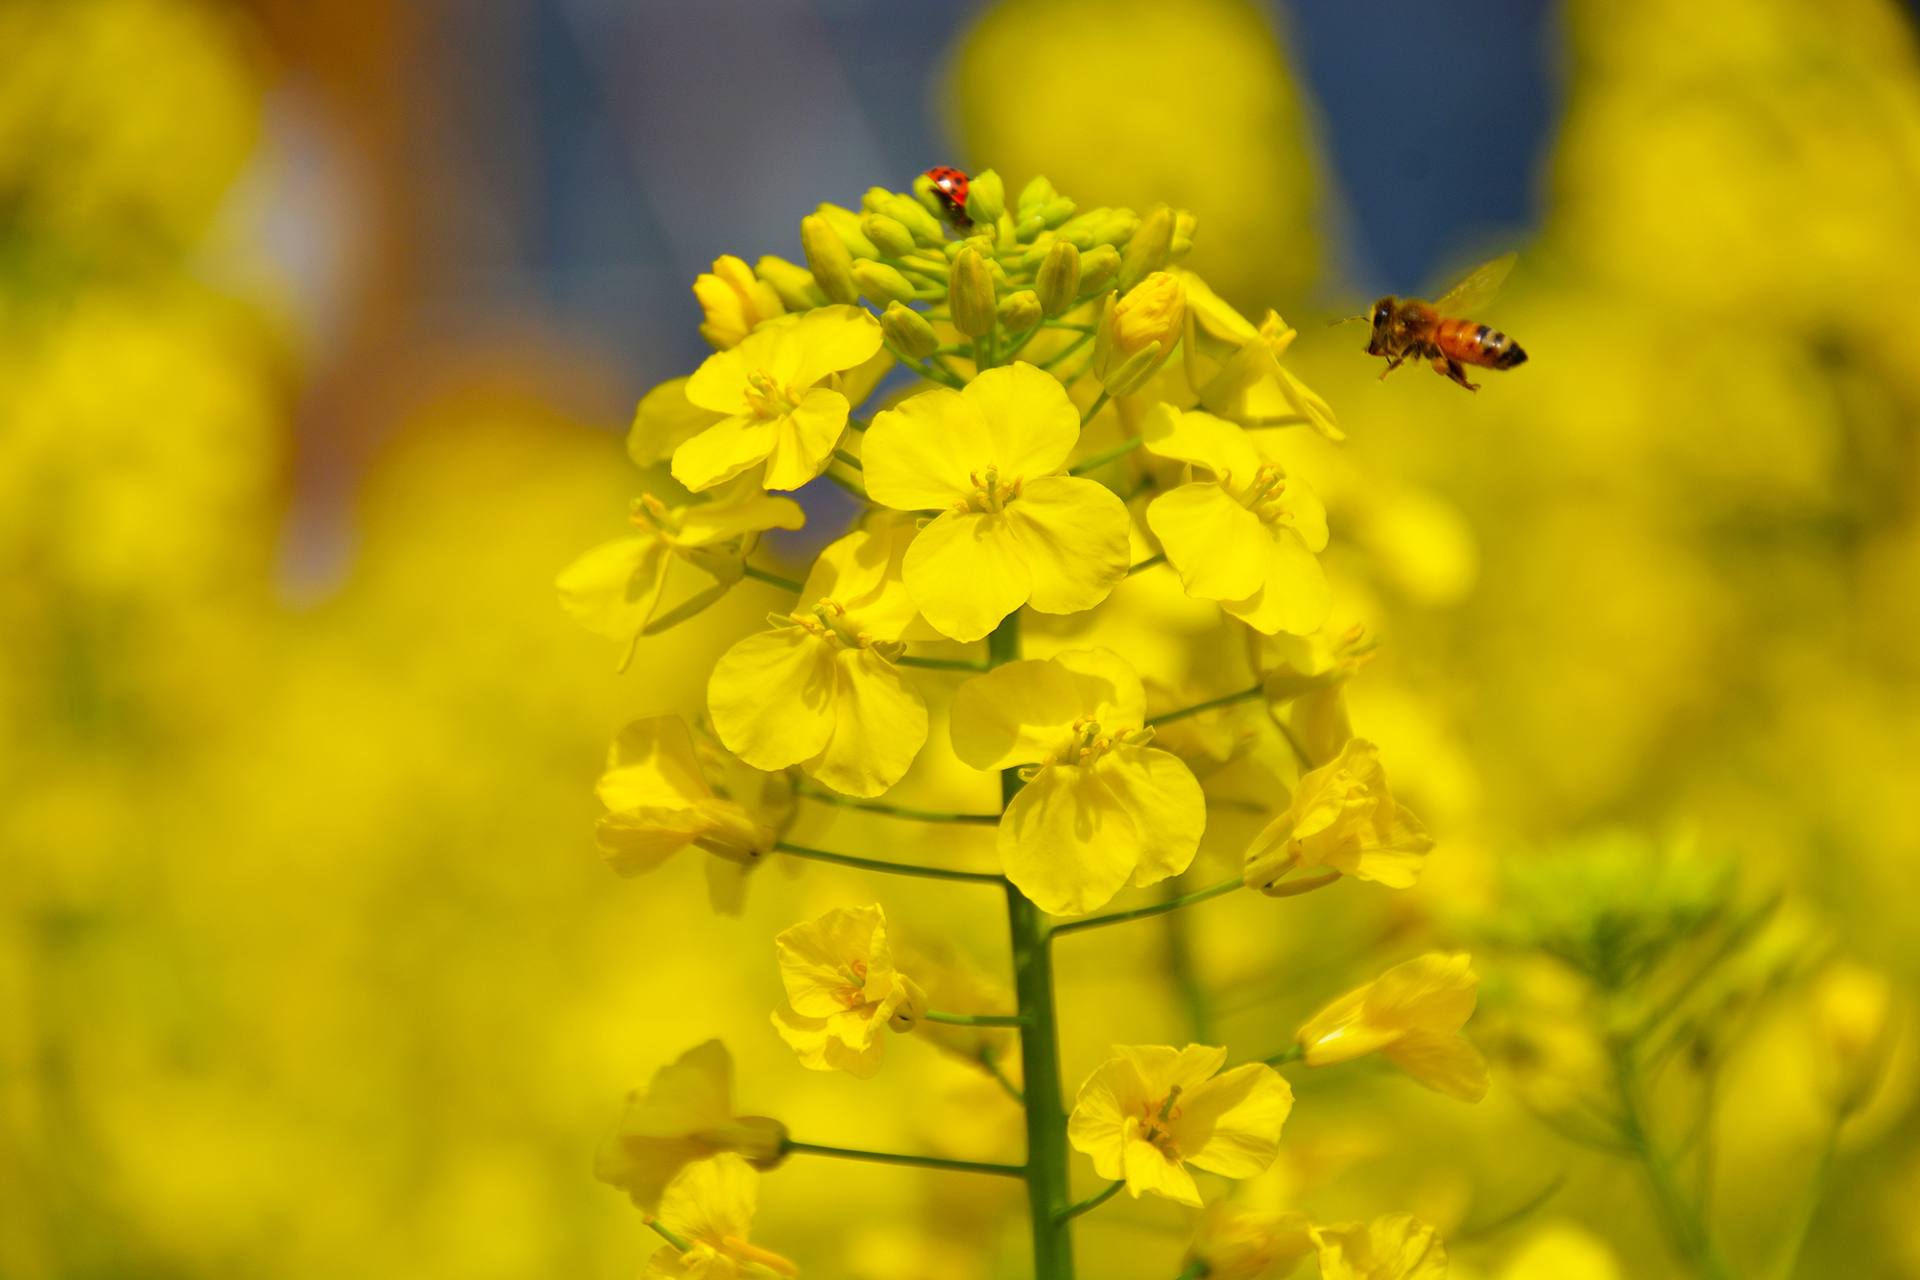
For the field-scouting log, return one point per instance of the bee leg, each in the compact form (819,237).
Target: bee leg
(1450,368)
(1392,364)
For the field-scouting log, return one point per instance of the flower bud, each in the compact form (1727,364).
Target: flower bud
(846,225)
(970,293)
(761,1140)
(872,198)
(1098,266)
(923,226)
(733,301)
(1056,211)
(1138,332)
(1030,226)
(792,282)
(881,284)
(1853,1009)
(986,197)
(887,234)
(827,255)
(1099,226)
(1232,1243)
(1020,311)
(1058,283)
(906,1015)
(1034,196)
(1183,227)
(909,332)
(1148,248)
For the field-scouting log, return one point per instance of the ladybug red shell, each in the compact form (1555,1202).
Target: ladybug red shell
(950,184)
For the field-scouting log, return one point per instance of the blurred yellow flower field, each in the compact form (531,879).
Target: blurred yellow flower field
(1014,720)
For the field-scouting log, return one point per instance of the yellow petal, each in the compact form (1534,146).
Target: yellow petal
(652,762)
(1107,686)
(740,510)
(917,457)
(726,449)
(1166,805)
(719,385)
(693,1092)
(879,726)
(1072,536)
(1149,1169)
(1029,421)
(1294,596)
(1217,546)
(966,573)
(712,1200)
(1340,1032)
(771,697)
(635,841)
(664,419)
(1097,1125)
(1445,1062)
(1017,713)
(1202,440)
(817,958)
(803,440)
(864,573)
(614,590)
(1434,992)
(1066,841)
(828,340)
(1161,1068)
(1230,1125)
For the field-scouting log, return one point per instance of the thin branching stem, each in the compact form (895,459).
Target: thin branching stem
(771,579)
(889,868)
(900,810)
(1001,1078)
(1093,411)
(894,1157)
(1091,1203)
(1224,700)
(1154,909)
(976,1019)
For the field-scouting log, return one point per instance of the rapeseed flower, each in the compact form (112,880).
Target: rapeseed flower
(1099,804)
(1234,369)
(1150,1111)
(684,1115)
(842,991)
(660,801)
(710,1206)
(1012,529)
(778,407)
(1342,818)
(1232,1242)
(1247,534)
(1137,332)
(734,302)
(663,421)
(678,561)
(1411,1015)
(1396,1247)
(820,689)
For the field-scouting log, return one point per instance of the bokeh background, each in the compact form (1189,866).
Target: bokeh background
(318,328)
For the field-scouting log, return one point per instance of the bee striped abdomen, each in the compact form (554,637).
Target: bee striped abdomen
(1470,342)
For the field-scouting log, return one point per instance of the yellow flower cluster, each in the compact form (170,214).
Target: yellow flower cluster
(1056,408)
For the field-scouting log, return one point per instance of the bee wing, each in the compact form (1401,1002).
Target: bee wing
(1477,289)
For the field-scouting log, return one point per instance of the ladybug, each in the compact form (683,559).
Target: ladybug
(950,185)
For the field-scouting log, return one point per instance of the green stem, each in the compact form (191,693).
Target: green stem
(1102,458)
(1519,1213)
(1093,411)
(1689,1233)
(1046,1109)
(1299,751)
(891,1157)
(1224,700)
(1291,1054)
(1810,1204)
(976,1019)
(901,810)
(1178,933)
(891,868)
(956,378)
(841,455)
(1148,563)
(1090,1203)
(669,1236)
(1196,1270)
(1066,351)
(771,579)
(1001,1078)
(857,490)
(942,375)
(1157,909)
(940,664)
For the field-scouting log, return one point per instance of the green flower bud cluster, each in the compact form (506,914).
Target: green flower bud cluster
(1009,268)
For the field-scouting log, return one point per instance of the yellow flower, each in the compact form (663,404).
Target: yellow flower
(1411,1015)
(842,991)
(679,561)
(1150,1111)
(1234,1243)
(1137,332)
(1343,818)
(734,301)
(710,1206)
(1234,369)
(685,1114)
(820,689)
(1855,1016)
(776,410)
(1012,529)
(1247,534)
(664,420)
(660,802)
(1396,1247)
(1099,805)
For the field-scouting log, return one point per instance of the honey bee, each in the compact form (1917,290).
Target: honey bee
(1407,328)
